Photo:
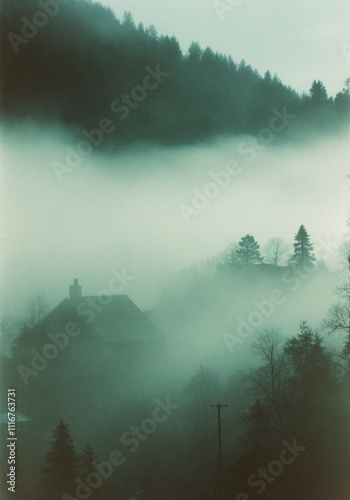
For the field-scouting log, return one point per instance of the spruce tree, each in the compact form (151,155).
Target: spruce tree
(260,428)
(61,464)
(303,250)
(318,93)
(128,21)
(248,251)
(86,461)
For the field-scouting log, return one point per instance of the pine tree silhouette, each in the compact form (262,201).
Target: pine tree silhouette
(303,250)
(86,460)
(61,464)
(248,251)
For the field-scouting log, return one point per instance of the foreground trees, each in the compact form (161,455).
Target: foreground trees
(86,461)
(337,319)
(201,390)
(270,380)
(300,398)
(295,395)
(296,378)
(61,465)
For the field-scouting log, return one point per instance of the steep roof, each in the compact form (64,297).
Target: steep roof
(122,321)
(118,321)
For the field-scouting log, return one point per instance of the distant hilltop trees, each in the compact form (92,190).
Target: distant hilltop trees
(247,252)
(78,64)
(303,249)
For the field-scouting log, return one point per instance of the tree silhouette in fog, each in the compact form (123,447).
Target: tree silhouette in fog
(61,465)
(309,360)
(337,319)
(202,389)
(303,250)
(275,252)
(318,93)
(37,309)
(86,460)
(269,379)
(259,429)
(248,251)
(342,99)
(300,397)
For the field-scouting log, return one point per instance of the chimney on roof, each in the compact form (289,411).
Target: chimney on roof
(75,292)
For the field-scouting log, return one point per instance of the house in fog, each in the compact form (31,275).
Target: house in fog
(105,343)
(111,318)
(110,322)
(84,360)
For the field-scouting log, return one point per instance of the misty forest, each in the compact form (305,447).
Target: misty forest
(175,247)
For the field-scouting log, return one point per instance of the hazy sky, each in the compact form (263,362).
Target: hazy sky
(300,40)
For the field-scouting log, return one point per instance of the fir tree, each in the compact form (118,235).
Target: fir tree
(128,21)
(248,251)
(86,461)
(61,464)
(303,250)
(318,93)
(259,422)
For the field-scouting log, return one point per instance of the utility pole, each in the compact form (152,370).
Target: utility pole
(219,406)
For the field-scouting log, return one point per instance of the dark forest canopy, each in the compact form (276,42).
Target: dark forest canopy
(78,64)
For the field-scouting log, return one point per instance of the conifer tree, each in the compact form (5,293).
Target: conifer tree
(259,422)
(248,251)
(318,92)
(128,20)
(61,464)
(303,250)
(86,461)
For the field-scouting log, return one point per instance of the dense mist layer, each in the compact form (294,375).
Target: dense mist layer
(137,209)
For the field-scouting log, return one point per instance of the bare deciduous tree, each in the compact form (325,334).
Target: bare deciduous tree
(344,256)
(270,380)
(202,385)
(37,309)
(337,319)
(275,252)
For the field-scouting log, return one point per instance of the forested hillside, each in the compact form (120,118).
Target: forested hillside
(76,63)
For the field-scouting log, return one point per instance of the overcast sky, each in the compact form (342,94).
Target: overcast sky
(300,40)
